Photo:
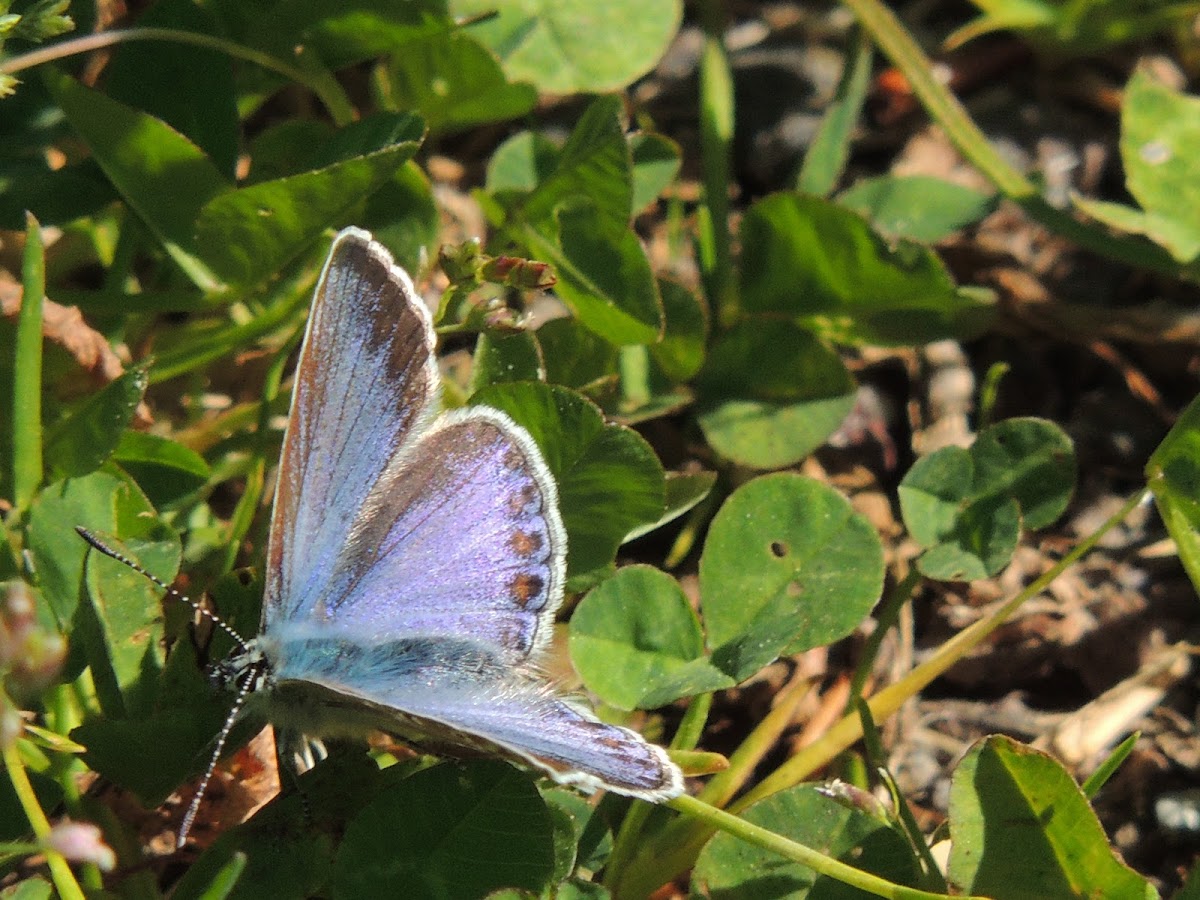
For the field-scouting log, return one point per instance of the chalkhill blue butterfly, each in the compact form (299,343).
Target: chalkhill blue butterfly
(416,561)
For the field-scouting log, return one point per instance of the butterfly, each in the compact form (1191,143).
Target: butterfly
(416,561)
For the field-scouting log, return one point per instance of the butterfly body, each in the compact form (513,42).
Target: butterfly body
(416,562)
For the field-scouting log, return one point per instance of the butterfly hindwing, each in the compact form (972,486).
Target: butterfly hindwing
(458,694)
(461,538)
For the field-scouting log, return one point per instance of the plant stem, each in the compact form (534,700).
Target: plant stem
(889,699)
(948,112)
(722,787)
(629,836)
(247,506)
(676,848)
(26,470)
(806,856)
(64,879)
(885,618)
(322,84)
(716,139)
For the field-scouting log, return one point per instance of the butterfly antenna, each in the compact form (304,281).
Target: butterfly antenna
(244,690)
(98,544)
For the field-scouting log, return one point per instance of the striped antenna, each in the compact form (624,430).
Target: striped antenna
(98,544)
(248,676)
(244,690)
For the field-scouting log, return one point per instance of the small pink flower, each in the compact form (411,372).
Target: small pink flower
(81,842)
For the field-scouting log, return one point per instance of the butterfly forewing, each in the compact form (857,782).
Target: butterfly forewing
(364,384)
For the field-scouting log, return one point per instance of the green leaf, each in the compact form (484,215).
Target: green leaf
(521,163)
(22,377)
(1021,828)
(595,165)
(918,207)
(31,888)
(119,621)
(505,357)
(1031,460)
(151,756)
(645,392)
(771,393)
(190,88)
(285,148)
(656,162)
(289,844)
(14,825)
(966,506)
(450,832)
(788,565)
(102,502)
(680,353)
(54,196)
(163,469)
(283,308)
(684,491)
(164,177)
(575,356)
(226,879)
(1173,473)
(566,47)
(730,867)
(983,541)
(932,491)
(815,261)
(84,440)
(825,159)
(381,131)
(565,849)
(634,636)
(593,834)
(650,375)
(609,480)
(341,33)
(584,199)
(1084,27)
(178,714)
(606,279)
(403,216)
(455,82)
(1160,130)
(249,234)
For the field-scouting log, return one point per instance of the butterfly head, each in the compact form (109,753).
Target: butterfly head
(246,670)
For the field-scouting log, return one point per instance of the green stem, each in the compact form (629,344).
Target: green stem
(820,863)
(26,471)
(722,787)
(64,878)
(891,37)
(825,160)
(66,770)
(691,728)
(676,849)
(626,843)
(885,619)
(322,84)
(247,507)
(716,139)
(205,347)
(629,836)
(891,698)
